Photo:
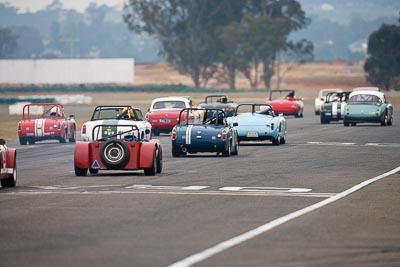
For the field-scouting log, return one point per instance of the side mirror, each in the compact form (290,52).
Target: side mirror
(235,124)
(71,117)
(2,142)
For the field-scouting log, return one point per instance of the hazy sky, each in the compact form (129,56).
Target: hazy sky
(80,5)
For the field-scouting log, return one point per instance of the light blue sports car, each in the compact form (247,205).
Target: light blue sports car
(258,122)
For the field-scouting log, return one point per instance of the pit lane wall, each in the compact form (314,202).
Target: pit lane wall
(67,71)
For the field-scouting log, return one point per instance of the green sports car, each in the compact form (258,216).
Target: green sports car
(368,105)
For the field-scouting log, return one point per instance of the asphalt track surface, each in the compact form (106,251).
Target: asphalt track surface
(53,218)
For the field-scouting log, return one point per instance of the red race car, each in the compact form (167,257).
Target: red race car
(45,121)
(120,151)
(285,102)
(164,112)
(8,165)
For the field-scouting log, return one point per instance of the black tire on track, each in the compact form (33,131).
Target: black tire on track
(152,170)
(12,180)
(159,160)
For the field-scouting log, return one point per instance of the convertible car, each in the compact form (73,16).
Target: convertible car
(368,105)
(334,107)
(8,165)
(258,122)
(45,121)
(320,99)
(207,132)
(163,112)
(285,102)
(112,116)
(122,150)
(219,102)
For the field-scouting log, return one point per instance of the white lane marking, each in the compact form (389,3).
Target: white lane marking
(158,192)
(163,187)
(205,254)
(63,187)
(266,189)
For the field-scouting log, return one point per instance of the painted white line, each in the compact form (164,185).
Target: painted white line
(205,254)
(265,189)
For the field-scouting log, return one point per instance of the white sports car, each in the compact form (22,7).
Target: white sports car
(115,119)
(320,99)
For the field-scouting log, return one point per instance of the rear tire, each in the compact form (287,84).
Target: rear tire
(176,152)
(73,138)
(277,140)
(63,138)
(384,122)
(80,171)
(228,150)
(93,171)
(12,180)
(236,152)
(152,170)
(346,124)
(23,141)
(159,160)
(390,121)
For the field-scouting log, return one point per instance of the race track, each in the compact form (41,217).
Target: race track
(53,218)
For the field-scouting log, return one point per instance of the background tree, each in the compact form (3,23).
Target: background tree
(8,42)
(383,63)
(185,29)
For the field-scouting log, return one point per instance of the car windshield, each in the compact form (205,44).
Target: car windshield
(256,108)
(109,113)
(281,94)
(43,111)
(169,105)
(365,99)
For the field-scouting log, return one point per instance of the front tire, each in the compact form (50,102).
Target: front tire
(23,141)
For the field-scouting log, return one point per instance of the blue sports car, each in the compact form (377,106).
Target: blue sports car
(203,130)
(258,122)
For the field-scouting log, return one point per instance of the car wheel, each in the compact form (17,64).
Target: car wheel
(63,138)
(283,139)
(384,121)
(12,180)
(236,151)
(346,124)
(155,132)
(23,141)
(277,140)
(159,160)
(152,170)
(228,150)
(93,171)
(73,138)
(31,141)
(353,124)
(80,171)
(176,152)
(114,154)
(390,121)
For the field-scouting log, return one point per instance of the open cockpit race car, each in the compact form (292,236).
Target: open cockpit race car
(122,150)
(334,107)
(113,117)
(8,165)
(258,122)
(203,130)
(45,121)
(285,102)
(220,102)
(164,111)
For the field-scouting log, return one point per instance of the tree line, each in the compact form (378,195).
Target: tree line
(217,39)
